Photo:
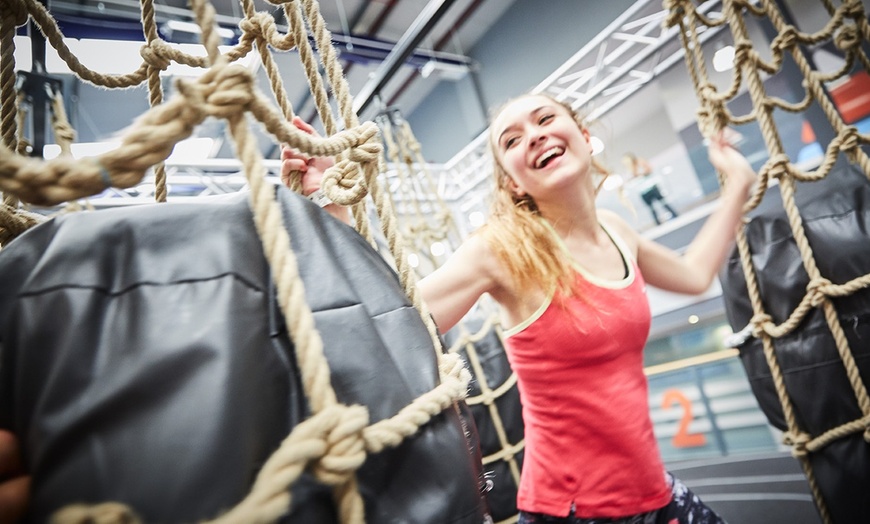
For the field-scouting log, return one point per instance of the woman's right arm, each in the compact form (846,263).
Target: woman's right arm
(451,290)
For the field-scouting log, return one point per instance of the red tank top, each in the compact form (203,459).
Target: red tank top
(589,440)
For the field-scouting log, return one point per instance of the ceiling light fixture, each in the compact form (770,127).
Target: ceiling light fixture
(597,145)
(190,28)
(723,59)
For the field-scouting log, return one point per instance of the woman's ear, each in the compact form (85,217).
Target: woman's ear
(514,188)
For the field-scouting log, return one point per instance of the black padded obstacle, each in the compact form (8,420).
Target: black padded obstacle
(836,215)
(145,361)
(496,373)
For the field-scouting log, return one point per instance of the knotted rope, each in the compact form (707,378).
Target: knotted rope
(846,27)
(334,442)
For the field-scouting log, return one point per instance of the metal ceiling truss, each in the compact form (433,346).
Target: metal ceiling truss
(632,51)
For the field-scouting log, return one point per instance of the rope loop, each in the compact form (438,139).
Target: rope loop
(343,183)
(786,39)
(760,322)
(798,443)
(345,446)
(106,513)
(157,54)
(14,11)
(847,38)
(816,290)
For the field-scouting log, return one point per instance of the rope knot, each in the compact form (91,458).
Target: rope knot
(816,290)
(849,139)
(343,183)
(712,113)
(676,11)
(64,131)
(232,92)
(366,152)
(253,25)
(15,11)
(742,51)
(847,38)
(157,54)
(195,94)
(786,39)
(345,446)
(759,323)
(798,443)
(854,9)
(778,166)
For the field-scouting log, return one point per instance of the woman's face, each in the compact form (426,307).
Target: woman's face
(540,146)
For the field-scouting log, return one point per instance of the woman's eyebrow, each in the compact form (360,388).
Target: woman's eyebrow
(513,126)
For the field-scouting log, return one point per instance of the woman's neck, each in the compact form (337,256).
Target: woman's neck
(572,214)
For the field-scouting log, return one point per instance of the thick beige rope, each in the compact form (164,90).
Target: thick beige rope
(714,115)
(155,87)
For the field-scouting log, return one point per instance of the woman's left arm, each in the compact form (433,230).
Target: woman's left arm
(694,271)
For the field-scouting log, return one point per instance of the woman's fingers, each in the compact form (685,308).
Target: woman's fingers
(10,455)
(13,499)
(291,165)
(14,491)
(304,126)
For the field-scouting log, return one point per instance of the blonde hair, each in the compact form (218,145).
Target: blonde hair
(517,234)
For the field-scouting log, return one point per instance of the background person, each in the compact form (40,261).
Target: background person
(648,186)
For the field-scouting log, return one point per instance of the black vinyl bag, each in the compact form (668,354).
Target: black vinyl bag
(836,216)
(144,360)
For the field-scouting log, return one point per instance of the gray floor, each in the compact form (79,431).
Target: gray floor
(751,489)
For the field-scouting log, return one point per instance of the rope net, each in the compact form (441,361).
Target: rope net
(426,219)
(848,30)
(334,442)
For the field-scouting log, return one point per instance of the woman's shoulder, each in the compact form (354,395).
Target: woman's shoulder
(618,226)
(477,249)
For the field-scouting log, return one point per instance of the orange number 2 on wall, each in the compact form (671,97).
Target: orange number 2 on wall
(683,439)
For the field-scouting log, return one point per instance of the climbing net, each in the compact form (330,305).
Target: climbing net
(425,218)
(848,29)
(334,441)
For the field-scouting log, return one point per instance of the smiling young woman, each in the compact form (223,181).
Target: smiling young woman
(570,280)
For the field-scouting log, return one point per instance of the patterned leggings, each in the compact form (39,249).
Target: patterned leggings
(684,508)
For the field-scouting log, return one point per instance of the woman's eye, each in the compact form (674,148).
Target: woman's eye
(544,119)
(510,142)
